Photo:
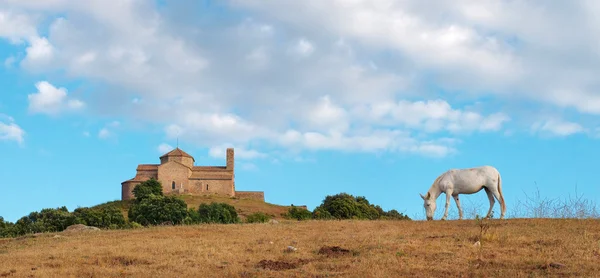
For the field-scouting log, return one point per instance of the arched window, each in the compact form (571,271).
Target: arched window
(173,185)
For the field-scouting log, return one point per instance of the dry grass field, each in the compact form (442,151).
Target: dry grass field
(509,248)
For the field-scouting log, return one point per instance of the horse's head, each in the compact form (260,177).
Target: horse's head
(429,205)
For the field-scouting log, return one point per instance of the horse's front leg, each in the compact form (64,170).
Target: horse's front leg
(448,196)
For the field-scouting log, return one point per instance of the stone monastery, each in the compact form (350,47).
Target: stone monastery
(178,175)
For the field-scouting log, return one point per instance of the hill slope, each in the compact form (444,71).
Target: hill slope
(244,207)
(510,248)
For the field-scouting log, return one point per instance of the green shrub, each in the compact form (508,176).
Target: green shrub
(155,210)
(146,189)
(217,213)
(258,217)
(135,225)
(7,229)
(104,217)
(47,220)
(321,213)
(346,206)
(395,215)
(298,214)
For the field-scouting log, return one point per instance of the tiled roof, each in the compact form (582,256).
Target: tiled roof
(177,152)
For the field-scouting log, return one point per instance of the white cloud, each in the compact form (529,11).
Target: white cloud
(10,131)
(304,47)
(40,51)
(16,26)
(558,127)
(51,100)
(377,76)
(164,148)
(104,133)
(431,116)
(240,152)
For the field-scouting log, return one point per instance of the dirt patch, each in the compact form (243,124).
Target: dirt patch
(281,265)
(333,251)
(438,236)
(127,261)
(551,265)
(8,273)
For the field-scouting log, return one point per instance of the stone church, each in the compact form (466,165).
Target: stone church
(178,175)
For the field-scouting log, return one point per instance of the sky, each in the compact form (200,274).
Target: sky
(372,98)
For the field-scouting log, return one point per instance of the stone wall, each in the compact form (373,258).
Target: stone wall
(173,172)
(202,186)
(127,190)
(230,160)
(253,195)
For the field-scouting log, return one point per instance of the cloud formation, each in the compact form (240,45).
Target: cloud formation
(317,75)
(51,100)
(10,131)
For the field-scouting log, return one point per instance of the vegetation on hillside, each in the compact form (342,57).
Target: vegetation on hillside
(345,206)
(151,207)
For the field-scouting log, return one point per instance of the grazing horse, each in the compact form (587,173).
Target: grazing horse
(465,181)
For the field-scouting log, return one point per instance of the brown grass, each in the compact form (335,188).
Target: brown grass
(509,248)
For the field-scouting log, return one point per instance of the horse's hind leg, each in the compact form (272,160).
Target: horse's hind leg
(460,213)
(492,201)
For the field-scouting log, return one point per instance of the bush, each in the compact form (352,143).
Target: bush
(7,229)
(135,225)
(298,214)
(346,206)
(258,217)
(47,220)
(155,210)
(105,217)
(395,215)
(217,213)
(321,213)
(147,188)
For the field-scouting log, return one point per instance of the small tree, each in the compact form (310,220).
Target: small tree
(147,188)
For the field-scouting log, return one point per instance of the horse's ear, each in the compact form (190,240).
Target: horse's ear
(428,195)
(422,197)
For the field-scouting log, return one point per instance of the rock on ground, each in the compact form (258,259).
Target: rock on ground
(81,228)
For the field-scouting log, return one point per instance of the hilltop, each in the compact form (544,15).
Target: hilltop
(244,207)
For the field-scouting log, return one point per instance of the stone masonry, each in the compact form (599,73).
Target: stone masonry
(178,175)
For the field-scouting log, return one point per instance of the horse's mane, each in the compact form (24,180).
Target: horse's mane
(437,180)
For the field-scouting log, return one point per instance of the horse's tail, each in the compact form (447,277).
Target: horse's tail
(503,205)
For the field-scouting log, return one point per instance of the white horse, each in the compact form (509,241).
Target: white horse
(465,181)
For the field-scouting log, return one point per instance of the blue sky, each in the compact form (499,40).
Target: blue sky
(372,98)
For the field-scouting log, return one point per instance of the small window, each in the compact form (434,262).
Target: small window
(207,187)
(173,185)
